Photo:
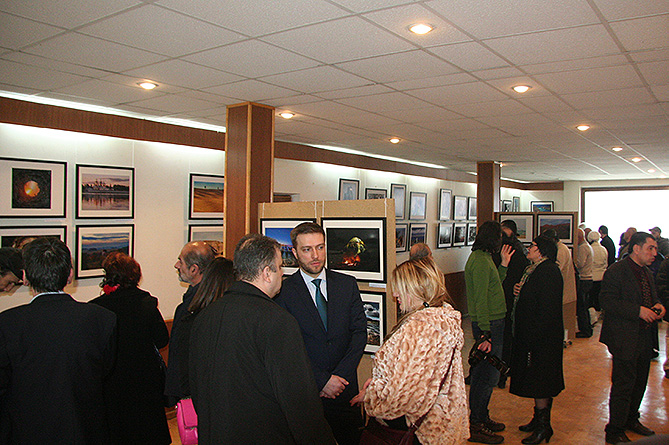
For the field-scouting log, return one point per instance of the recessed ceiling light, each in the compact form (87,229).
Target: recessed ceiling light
(420,28)
(583,127)
(287,115)
(617,149)
(394,140)
(651,170)
(636,159)
(147,85)
(521,89)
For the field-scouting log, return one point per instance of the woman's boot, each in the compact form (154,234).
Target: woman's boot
(543,430)
(528,428)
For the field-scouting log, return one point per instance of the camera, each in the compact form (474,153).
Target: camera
(476,356)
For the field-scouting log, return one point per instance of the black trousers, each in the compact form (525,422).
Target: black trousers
(345,420)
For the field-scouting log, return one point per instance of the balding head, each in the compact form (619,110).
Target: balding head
(193,260)
(420,250)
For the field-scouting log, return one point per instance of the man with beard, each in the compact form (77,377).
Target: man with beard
(328,308)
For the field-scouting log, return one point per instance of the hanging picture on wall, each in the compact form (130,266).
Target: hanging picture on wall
(524,224)
(417,205)
(105,192)
(206,196)
(356,246)
(459,207)
(280,229)
(401,237)
(541,206)
(205,233)
(507,205)
(562,223)
(471,234)
(372,193)
(348,189)
(459,234)
(32,189)
(417,233)
(94,243)
(444,235)
(399,193)
(375,313)
(471,210)
(444,204)
(19,236)
(515,207)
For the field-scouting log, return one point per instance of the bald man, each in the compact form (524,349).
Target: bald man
(420,250)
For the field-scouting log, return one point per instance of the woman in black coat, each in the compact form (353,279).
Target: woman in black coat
(134,390)
(538,332)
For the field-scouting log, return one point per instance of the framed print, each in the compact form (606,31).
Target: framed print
(206,197)
(444,235)
(372,193)
(205,233)
(280,229)
(401,237)
(94,243)
(418,233)
(562,223)
(32,189)
(445,204)
(20,236)
(507,205)
(459,207)
(471,234)
(471,208)
(417,205)
(348,189)
(459,234)
(541,206)
(356,246)
(399,193)
(105,192)
(524,223)
(375,313)
(515,207)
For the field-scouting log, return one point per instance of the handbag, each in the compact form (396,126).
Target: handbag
(187,422)
(376,433)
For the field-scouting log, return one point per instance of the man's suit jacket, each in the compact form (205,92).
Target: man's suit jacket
(621,300)
(339,349)
(55,353)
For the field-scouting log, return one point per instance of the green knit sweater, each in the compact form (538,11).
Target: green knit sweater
(485,295)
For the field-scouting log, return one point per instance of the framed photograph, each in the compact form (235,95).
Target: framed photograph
(515,207)
(20,236)
(459,207)
(348,189)
(372,193)
(399,193)
(356,246)
(562,223)
(401,237)
(471,208)
(374,304)
(417,205)
(280,229)
(541,206)
(459,234)
(32,189)
(507,205)
(206,198)
(524,223)
(418,233)
(105,192)
(94,243)
(205,233)
(445,204)
(471,234)
(444,235)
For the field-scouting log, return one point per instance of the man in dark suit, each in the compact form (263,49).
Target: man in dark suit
(55,353)
(607,242)
(630,303)
(328,308)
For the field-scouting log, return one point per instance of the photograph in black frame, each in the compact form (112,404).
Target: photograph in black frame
(348,189)
(374,305)
(105,192)
(471,234)
(206,196)
(373,193)
(19,236)
(524,225)
(32,189)
(444,235)
(471,207)
(94,243)
(417,233)
(279,229)
(445,203)
(459,234)
(541,206)
(563,224)
(356,246)
(515,207)
(206,232)
(459,207)
(401,234)
(417,205)
(507,205)
(399,193)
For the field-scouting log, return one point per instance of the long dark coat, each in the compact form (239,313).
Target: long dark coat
(536,358)
(134,391)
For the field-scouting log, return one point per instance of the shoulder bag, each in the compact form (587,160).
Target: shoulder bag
(187,421)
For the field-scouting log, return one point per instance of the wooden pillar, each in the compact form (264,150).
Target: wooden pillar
(249,168)
(487,191)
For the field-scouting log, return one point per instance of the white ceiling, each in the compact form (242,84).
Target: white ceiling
(356,76)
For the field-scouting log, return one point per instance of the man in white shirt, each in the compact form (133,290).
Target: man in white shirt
(584,268)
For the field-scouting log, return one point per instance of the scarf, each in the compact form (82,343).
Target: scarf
(526,275)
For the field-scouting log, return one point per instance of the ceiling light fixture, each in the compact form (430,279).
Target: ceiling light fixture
(617,149)
(287,115)
(583,127)
(651,170)
(147,85)
(521,89)
(394,140)
(636,159)
(421,28)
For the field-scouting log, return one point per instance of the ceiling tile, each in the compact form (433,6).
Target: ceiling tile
(459,94)
(623,9)
(643,34)
(609,78)
(250,90)
(576,64)
(611,98)
(17,32)
(54,65)
(109,94)
(69,14)
(315,80)
(366,90)
(655,73)
(470,56)
(438,81)
(12,73)
(174,104)
(179,72)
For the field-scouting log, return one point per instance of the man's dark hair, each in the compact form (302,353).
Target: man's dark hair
(510,224)
(489,237)
(552,234)
(253,253)
(11,261)
(547,247)
(639,239)
(48,263)
(303,229)
(604,230)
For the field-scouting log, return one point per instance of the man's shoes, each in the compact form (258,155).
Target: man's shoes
(479,433)
(493,426)
(614,438)
(636,427)
(580,334)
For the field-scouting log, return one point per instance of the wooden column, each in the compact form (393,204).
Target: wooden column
(487,191)
(249,168)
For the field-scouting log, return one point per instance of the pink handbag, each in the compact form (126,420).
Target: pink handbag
(187,422)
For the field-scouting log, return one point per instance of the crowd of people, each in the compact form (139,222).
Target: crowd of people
(271,360)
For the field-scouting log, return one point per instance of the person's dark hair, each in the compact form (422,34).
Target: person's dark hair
(217,278)
(11,261)
(547,247)
(552,234)
(121,270)
(48,263)
(253,253)
(303,229)
(489,237)
(638,239)
(419,250)
(604,230)
(510,224)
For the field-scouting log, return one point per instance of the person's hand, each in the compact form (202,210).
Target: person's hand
(358,399)
(485,346)
(662,309)
(506,253)
(516,289)
(333,387)
(648,315)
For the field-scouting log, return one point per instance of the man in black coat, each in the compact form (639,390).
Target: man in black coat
(55,353)
(608,244)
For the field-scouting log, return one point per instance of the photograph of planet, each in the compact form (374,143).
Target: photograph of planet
(31,188)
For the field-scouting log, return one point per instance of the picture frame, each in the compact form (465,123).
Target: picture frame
(348,189)
(471,234)
(374,193)
(374,304)
(524,223)
(507,205)
(105,192)
(515,207)
(541,206)
(206,198)
(563,223)
(206,232)
(32,189)
(471,207)
(399,193)
(459,234)
(417,205)
(444,235)
(401,235)
(279,229)
(445,204)
(459,207)
(417,233)
(94,243)
(357,246)
(19,235)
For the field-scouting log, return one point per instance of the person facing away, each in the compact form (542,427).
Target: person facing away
(250,376)
(662,243)
(608,244)
(625,237)
(420,250)
(584,268)
(599,265)
(134,390)
(55,354)
(11,269)
(329,311)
